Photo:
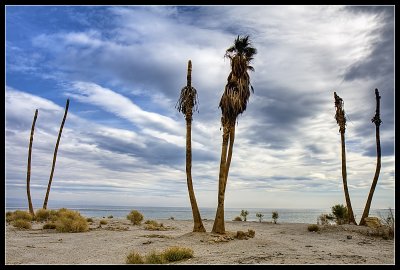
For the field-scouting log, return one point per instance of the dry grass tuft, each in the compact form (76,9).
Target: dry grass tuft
(134,258)
(42,215)
(175,253)
(313,228)
(103,222)
(22,224)
(154,258)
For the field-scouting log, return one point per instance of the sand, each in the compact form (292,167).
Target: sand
(281,243)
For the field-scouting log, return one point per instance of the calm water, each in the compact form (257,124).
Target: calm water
(185,213)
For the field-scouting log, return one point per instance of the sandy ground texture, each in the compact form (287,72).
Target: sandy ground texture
(281,243)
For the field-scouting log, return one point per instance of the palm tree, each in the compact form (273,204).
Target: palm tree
(55,156)
(377,121)
(186,104)
(28,174)
(341,120)
(233,102)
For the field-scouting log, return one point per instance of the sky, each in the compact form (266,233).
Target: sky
(123,68)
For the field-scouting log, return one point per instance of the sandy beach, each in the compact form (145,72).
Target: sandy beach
(281,243)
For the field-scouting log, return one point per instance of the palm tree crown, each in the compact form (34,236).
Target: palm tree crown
(237,90)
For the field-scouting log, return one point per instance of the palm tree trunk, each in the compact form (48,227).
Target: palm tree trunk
(198,224)
(28,174)
(344,176)
(229,158)
(377,122)
(55,156)
(219,222)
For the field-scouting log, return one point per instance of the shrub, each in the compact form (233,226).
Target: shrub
(154,258)
(340,213)
(174,254)
(22,224)
(259,216)
(19,214)
(313,228)
(111,216)
(70,221)
(53,215)
(135,217)
(237,218)
(134,258)
(388,222)
(244,214)
(324,219)
(42,215)
(152,225)
(49,225)
(89,220)
(9,216)
(103,222)
(275,216)
(251,233)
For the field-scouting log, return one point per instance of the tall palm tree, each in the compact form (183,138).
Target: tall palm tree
(28,173)
(186,104)
(55,156)
(341,120)
(233,102)
(377,121)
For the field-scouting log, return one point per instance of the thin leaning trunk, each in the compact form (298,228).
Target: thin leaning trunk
(229,158)
(219,222)
(28,174)
(377,122)
(55,156)
(344,176)
(198,224)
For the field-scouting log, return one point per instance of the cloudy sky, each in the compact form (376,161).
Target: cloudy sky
(123,67)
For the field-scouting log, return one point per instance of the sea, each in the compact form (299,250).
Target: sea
(285,215)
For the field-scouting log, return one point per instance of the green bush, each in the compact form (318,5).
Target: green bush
(313,228)
(22,224)
(42,215)
(134,258)
(49,225)
(174,254)
(237,218)
(340,213)
(324,219)
(244,214)
(275,216)
(154,258)
(135,217)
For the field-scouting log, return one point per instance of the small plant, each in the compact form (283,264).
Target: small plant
(134,258)
(259,216)
(152,225)
(171,218)
(70,221)
(174,254)
(237,218)
(313,228)
(111,216)
(340,214)
(244,214)
(89,220)
(324,219)
(42,215)
(251,233)
(135,217)
(103,222)
(388,222)
(49,226)
(22,224)
(275,216)
(154,258)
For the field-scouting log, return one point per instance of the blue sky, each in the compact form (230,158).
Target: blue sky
(123,67)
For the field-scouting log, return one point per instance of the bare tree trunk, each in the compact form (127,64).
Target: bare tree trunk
(28,174)
(219,222)
(229,158)
(55,156)
(344,176)
(198,224)
(377,121)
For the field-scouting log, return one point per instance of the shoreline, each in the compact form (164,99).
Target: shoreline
(281,243)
